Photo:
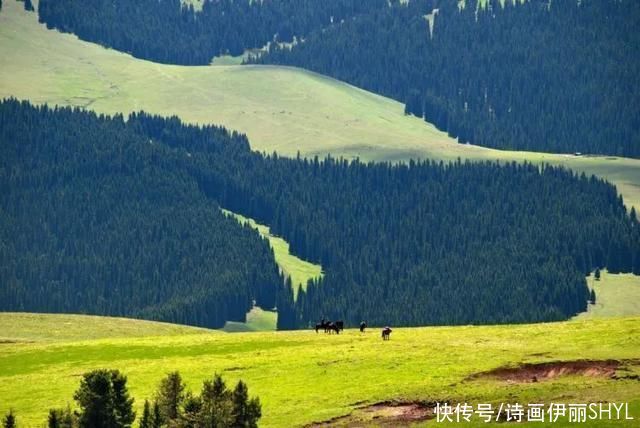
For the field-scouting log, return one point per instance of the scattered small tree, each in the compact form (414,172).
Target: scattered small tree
(156,421)
(597,274)
(170,396)
(28,6)
(62,418)
(246,412)
(145,421)
(104,400)
(592,297)
(9,420)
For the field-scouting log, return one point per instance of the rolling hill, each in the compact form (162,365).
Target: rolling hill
(281,109)
(303,377)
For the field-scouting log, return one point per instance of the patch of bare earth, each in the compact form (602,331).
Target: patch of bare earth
(385,414)
(528,373)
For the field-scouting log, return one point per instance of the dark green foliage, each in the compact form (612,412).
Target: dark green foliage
(171,394)
(146,419)
(9,420)
(408,244)
(28,6)
(558,76)
(165,31)
(156,420)
(216,406)
(246,412)
(104,400)
(597,275)
(99,218)
(592,296)
(62,418)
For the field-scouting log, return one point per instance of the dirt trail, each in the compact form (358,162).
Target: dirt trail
(528,373)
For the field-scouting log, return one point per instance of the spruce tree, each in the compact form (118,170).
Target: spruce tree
(592,296)
(156,420)
(170,396)
(104,400)
(145,421)
(245,412)
(9,420)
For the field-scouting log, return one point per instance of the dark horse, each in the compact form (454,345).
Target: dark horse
(363,325)
(323,325)
(330,327)
(386,333)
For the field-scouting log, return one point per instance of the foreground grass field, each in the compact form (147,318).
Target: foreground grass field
(302,377)
(282,109)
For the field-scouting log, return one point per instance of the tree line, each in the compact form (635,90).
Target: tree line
(99,219)
(538,75)
(167,31)
(127,211)
(104,402)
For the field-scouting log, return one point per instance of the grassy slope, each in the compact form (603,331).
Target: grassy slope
(29,327)
(300,271)
(616,295)
(282,109)
(303,376)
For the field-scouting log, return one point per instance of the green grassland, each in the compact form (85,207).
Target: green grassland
(616,295)
(303,377)
(28,327)
(281,109)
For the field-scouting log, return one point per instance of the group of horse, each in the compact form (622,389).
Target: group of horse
(330,326)
(336,327)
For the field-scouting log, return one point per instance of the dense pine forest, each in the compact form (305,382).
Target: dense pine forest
(168,32)
(109,216)
(557,76)
(97,218)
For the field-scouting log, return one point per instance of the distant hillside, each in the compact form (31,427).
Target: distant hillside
(117,217)
(553,76)
(280,109)
(169,32)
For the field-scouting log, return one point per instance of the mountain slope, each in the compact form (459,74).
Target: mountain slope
(279,108)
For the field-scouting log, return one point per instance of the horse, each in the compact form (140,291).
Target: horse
(339,325)
(323,325)
(386,333)
(363,325)
(331,327)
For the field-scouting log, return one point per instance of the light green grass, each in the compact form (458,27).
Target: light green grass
(300,271)
(280,109)
(302,376)
(616,295)
(257,320)
(30,327)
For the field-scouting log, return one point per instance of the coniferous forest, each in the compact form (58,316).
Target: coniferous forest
(167,31)
(107,216)
(99,219)
(539,75)
(553,76)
